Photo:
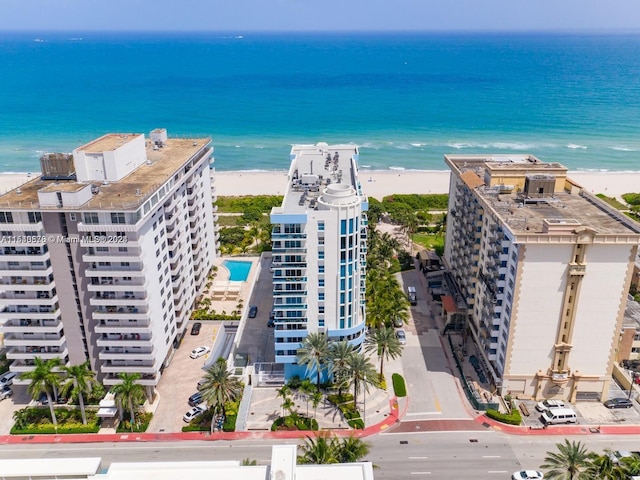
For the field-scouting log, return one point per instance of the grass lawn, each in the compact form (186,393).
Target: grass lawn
(430,240)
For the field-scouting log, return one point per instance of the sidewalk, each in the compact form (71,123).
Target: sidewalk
(563,430)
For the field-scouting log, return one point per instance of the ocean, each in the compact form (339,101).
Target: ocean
(405,99)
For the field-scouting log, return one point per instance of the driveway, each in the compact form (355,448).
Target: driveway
(18,400)
(179,380)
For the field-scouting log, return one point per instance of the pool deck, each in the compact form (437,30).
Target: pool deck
(225,293)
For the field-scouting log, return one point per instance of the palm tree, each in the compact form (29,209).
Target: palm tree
(21,417)
(352,449)
(321,449)
(284,393)
(384,342)
(220,387)
(306,390)
(129,393)
(602,467)
(569,463)
(316,398)
(314,353)
(78,381)
(362,374)
(339,354)
(630,466)
(45,378)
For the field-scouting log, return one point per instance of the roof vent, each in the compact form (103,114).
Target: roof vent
(138,192)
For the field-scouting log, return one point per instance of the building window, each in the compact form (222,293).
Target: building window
(35,217)
(321,226)
(6,217)
(91,218)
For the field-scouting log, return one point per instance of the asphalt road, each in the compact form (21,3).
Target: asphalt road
(442,455)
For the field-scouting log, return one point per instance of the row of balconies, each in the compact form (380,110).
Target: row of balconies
(26,269)
(17,325)
(140,326)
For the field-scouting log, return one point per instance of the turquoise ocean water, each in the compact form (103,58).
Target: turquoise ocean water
(406,99)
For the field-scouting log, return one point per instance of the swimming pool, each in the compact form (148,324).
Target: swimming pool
(238,270)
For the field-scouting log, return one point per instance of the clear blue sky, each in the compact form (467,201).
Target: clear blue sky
(305,15)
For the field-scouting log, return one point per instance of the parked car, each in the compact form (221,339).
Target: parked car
(527,475)
(195,329)
(402,336)
(195,412)
(397,322)
(200,351)
(618,455)
(195,399)
(5,392)
(618,403)
(201,382)
(547,404)
(7,379)
(253,311)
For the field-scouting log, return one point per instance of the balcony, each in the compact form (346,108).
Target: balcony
(118,327)
(46,353)
(25,270)
(30,313)
(148,379)
(39,339)
(119,366)
(133,256)
(576,269)
(138,270)
(126,354)
(32,326)
(119,340)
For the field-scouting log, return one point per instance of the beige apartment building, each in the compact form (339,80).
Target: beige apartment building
(541,269)
(104,254)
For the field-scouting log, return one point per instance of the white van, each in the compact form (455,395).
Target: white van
(559,415)
(411,294)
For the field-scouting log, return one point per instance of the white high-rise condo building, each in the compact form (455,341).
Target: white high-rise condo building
(102,256)
(319,248)
(540,270)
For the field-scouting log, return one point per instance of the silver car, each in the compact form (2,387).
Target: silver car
(402,336)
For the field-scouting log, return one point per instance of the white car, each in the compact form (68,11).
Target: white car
(200,351)
(195,412)
(5,392)
(547,404)
(527,475)
(7,379)
(402,336)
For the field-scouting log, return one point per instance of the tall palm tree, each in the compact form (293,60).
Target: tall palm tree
(45,378)
(284,393)
(321,449)
(316,399)
(362,374)
(352,449)
(569,463)
(314,353)
(79,380)
(220,387)
(339,354)
(306,389)
(384,342)
(129,393)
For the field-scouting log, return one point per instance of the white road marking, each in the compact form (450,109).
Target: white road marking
(491,456)
(418,458)
(420,473)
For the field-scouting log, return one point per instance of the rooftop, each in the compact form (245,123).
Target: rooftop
(314,167)
(555,205)
(126,194)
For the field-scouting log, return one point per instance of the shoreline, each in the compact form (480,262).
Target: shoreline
(375,183)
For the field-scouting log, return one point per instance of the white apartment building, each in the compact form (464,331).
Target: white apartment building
(319,247)
(543,268)
(102,257)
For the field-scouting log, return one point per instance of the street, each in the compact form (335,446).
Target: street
(442,455)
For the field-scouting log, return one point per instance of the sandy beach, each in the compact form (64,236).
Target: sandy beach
(378,184)
(375,184)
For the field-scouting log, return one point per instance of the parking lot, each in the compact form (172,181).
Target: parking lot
(179,380)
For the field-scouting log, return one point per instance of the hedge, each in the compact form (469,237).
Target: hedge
(513,418)
(48,428)
(399,387)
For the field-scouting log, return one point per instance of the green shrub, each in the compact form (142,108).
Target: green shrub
(611,201)
(339,399)
(513,418)
(300,422)
(632,198)
(45,429)
(356,423)
(240,204)
(142,422)
(399,387)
